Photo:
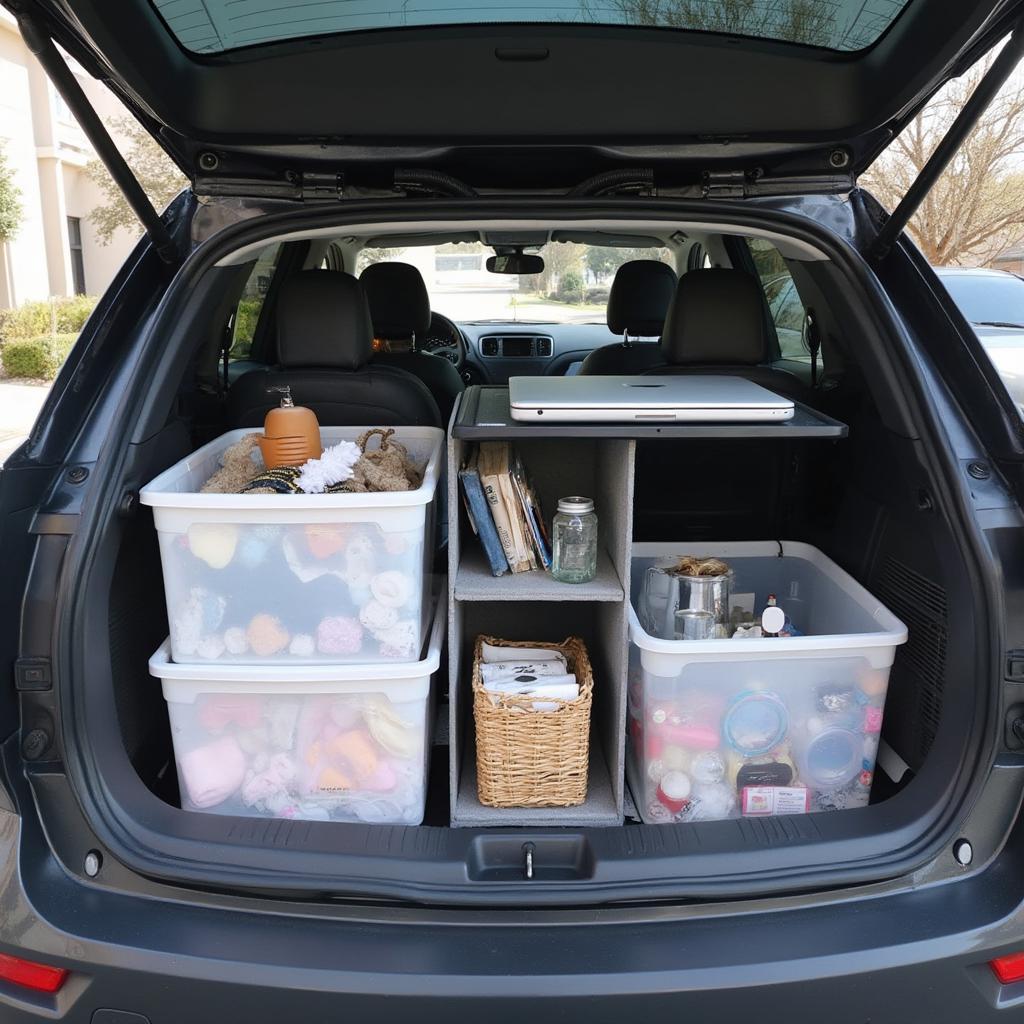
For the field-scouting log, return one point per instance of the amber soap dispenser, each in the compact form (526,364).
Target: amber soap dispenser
(291,434)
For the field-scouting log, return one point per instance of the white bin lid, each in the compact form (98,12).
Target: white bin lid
(400,681)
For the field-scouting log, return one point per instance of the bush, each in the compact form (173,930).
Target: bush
(570,287)
(597,296)
(33,319)
(38,358)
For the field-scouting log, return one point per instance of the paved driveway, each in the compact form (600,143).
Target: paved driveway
(19,407)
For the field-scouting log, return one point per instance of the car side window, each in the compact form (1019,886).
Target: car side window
(787,311)
(250,305)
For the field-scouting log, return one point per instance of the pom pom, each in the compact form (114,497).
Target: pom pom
(392,589)
(339,635)
(211,647)
(266,635)
(376,616)
(335,466)
(302,646)
(400,641)
(214,543)
(236,641)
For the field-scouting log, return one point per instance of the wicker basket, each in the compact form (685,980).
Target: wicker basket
(528,758)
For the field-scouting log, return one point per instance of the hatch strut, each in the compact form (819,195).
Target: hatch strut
(62,77)
(984,93)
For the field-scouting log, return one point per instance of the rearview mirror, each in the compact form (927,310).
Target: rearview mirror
(515,263)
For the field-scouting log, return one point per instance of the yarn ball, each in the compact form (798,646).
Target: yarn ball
(214,543)
(211,647)
(235,640)
(400,641)
(302,646)
(252,549)
(338,634)
(376,616)
(335,466)
(360,562)
(323,540)
(266,635)
(392,588)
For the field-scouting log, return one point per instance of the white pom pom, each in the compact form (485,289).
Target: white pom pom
(335,466)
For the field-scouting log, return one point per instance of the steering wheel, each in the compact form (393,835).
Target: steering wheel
(444,339)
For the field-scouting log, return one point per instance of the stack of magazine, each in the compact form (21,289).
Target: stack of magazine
(504,510)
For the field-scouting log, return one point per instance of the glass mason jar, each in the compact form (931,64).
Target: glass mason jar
(574,558)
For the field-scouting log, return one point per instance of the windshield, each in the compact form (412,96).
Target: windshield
(988,298)
(212,26)
(573,288)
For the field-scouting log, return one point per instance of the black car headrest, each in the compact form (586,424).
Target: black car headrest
(399,303)
(639,299)
(323,321)
(717,316)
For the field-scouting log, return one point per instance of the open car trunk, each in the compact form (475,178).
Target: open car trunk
(876,502)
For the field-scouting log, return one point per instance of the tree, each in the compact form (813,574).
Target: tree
(10,201)
(811,22)
(798,21)
(157,175)
(975,211)
(375,255)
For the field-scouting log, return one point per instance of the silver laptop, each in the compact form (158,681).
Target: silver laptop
(678,399)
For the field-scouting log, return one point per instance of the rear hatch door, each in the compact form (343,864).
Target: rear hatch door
(313,98)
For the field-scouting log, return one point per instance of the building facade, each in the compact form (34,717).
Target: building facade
(56,251)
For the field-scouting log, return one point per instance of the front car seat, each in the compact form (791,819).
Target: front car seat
(637,306)
(400,311)
(325,340)
(717,324)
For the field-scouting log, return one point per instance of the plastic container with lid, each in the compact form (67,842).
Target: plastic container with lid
(317,743)
(720,728)
(296,578)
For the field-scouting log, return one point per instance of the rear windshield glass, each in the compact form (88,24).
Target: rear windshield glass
(212,26)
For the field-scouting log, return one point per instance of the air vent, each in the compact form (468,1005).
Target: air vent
(517,346)
(915,693)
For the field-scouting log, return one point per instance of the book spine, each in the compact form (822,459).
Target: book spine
(500,519)
(485,528)
(524,550)
(533,536)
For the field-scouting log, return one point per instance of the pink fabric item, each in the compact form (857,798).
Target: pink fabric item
(872,719)
(339,635)
(219,710)
(212,773)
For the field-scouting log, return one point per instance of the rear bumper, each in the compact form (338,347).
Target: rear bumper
(907,956)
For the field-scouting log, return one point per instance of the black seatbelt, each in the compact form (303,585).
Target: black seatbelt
(225,348)
(813,344)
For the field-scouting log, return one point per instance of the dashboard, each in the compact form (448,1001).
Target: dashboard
(494,351)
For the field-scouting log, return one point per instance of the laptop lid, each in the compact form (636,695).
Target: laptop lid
(643,393)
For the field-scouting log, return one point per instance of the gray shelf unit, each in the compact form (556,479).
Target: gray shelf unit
(598,460)
(520,607)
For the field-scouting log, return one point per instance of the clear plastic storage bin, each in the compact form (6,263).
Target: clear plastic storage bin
(783,725)
(309,742)
(298,579)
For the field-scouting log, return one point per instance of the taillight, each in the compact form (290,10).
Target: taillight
(39,977)
(1009,968)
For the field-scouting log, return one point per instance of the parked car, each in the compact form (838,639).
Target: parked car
(993,303)
(317,138)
